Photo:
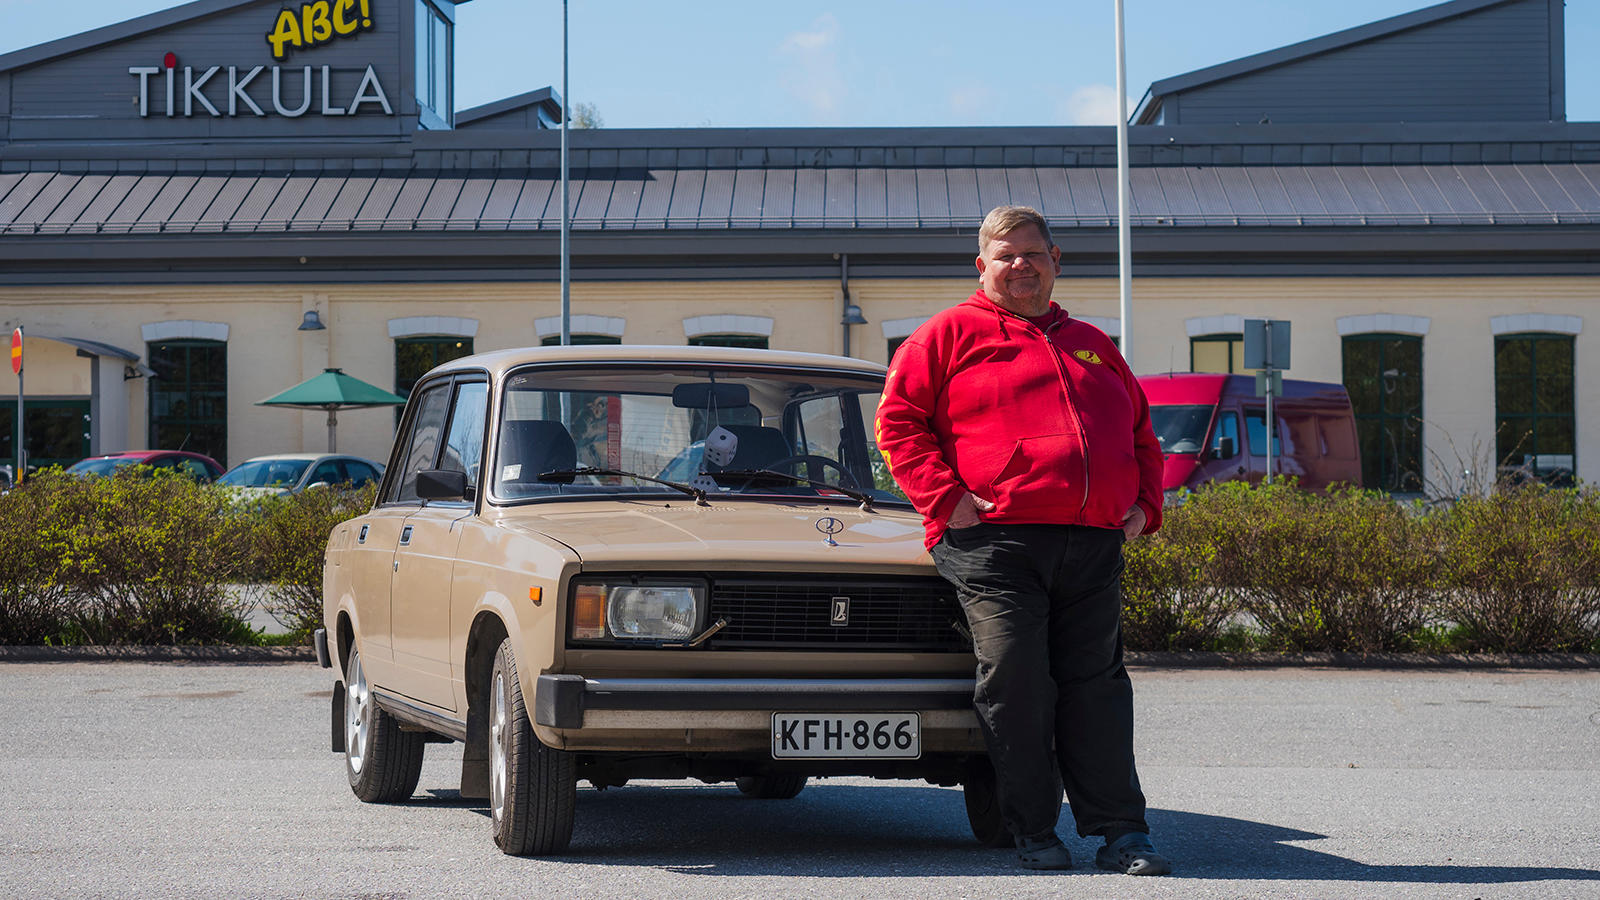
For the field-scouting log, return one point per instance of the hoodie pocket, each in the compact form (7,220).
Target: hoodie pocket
(1042,478)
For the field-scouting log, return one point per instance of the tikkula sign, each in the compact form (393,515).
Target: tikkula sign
(312,25)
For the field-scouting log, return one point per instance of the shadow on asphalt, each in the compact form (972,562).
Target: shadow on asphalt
(855,830)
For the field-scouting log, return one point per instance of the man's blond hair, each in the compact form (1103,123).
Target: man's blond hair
(1002,220)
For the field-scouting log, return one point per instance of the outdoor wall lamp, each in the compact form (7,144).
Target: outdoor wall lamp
(852,315)
(311,322)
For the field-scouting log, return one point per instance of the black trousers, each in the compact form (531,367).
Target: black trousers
(1044,604)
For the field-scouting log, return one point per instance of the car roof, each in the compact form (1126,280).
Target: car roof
(498,362)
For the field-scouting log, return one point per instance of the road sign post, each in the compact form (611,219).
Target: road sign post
(16,434)
(1266,349)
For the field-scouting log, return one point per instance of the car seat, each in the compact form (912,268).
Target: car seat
(532,446)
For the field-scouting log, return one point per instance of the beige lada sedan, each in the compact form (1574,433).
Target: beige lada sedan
(607,563)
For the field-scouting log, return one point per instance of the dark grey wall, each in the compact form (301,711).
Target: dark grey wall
(90,95)
(1494,65)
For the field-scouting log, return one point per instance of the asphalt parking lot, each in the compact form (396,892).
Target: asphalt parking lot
(122,779)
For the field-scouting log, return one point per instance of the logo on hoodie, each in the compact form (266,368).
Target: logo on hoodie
(1088,356)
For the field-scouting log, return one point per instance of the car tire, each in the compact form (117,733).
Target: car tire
(983,805)
(771,787)
(533,789)
(383,762)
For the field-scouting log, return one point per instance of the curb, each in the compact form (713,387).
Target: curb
(137,653)
(1155,659)
(1202,659)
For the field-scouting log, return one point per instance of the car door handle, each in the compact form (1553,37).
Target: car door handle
(405,535)
(397,565)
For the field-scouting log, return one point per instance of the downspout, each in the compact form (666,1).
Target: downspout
(844,288)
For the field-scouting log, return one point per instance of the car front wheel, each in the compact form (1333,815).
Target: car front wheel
(771,787)
(382,761)
(533,789)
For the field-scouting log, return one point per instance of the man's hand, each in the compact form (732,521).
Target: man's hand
(1133,522)
(966,512)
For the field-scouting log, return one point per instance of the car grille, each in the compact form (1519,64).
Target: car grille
(798,613)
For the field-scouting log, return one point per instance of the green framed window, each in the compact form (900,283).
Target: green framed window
(1534,400)
(57,431)
(415,356)
(1383,374)
(748,341)
(189,397)
(1216,353)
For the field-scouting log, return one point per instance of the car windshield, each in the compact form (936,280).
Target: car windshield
(265,473)
(105,465)
(730,431)
(1180,429)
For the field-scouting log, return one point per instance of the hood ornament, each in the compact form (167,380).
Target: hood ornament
(830,526)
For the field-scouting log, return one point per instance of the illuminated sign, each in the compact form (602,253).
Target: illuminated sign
(311,25)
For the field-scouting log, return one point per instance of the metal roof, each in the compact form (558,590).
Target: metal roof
(1280,55)
(649,199)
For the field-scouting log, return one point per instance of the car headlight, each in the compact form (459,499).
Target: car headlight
(636,611)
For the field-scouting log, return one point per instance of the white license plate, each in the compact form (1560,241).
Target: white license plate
(823,735)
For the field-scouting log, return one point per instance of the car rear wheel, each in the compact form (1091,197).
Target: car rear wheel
(533,789)
(382,761)
(771,787)
(983,805)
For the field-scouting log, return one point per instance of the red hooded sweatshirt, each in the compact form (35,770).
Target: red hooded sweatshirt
(1048,423)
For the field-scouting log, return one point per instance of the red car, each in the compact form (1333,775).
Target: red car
(1214,428)
(197,465)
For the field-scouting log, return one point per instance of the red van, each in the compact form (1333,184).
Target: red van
(1214,428)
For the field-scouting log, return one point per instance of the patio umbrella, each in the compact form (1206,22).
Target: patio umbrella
(333,390)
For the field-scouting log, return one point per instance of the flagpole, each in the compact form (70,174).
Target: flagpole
(1124,235)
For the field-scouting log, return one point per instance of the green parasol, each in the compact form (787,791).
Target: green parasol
(333,390)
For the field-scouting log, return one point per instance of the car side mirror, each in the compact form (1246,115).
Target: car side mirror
(1225,448)
(442,484)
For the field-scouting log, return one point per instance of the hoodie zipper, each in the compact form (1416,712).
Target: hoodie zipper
(1066,388)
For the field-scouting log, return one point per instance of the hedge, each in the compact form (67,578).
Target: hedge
(142,558)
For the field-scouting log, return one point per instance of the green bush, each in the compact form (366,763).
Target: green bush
(289,537)
(37,606)
(1522,569)
(1169,598)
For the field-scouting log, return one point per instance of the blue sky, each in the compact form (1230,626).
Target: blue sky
(864,63)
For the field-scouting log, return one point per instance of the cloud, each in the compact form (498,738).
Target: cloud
(810,70)
(1094,104)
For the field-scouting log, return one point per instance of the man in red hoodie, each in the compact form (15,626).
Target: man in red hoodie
(1024,440)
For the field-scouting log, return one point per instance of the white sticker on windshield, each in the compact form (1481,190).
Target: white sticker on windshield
(511,473)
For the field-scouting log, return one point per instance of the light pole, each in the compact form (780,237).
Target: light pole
(566,212)
(1124,236)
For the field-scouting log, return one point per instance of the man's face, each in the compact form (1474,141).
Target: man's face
(1018,270)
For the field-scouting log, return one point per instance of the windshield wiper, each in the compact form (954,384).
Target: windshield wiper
(750,475)
(698,494)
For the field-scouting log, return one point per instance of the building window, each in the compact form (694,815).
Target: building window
(433,66)
(414,356)
(1533,406)
(57,433)
(189,397)
(1216,353)
(749,341)
(1383,373)
(894,344)
(580,340)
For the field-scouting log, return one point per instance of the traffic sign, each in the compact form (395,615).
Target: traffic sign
(16,351)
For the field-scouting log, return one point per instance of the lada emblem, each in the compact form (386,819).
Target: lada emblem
(840,617)
(830,526)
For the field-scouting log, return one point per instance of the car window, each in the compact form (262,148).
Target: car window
(161,462)
(422,446)
(1255,423)
(463,447)
(1227,427)
(360,473)
(328,472)
(194,468)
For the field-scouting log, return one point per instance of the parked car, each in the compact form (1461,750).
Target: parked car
(532,581)
(288,473)
(196,465)
(1213,427)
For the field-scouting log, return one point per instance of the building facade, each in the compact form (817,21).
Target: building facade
(180,199)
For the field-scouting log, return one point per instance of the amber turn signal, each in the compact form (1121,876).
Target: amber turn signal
(589,612)
(536,595)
